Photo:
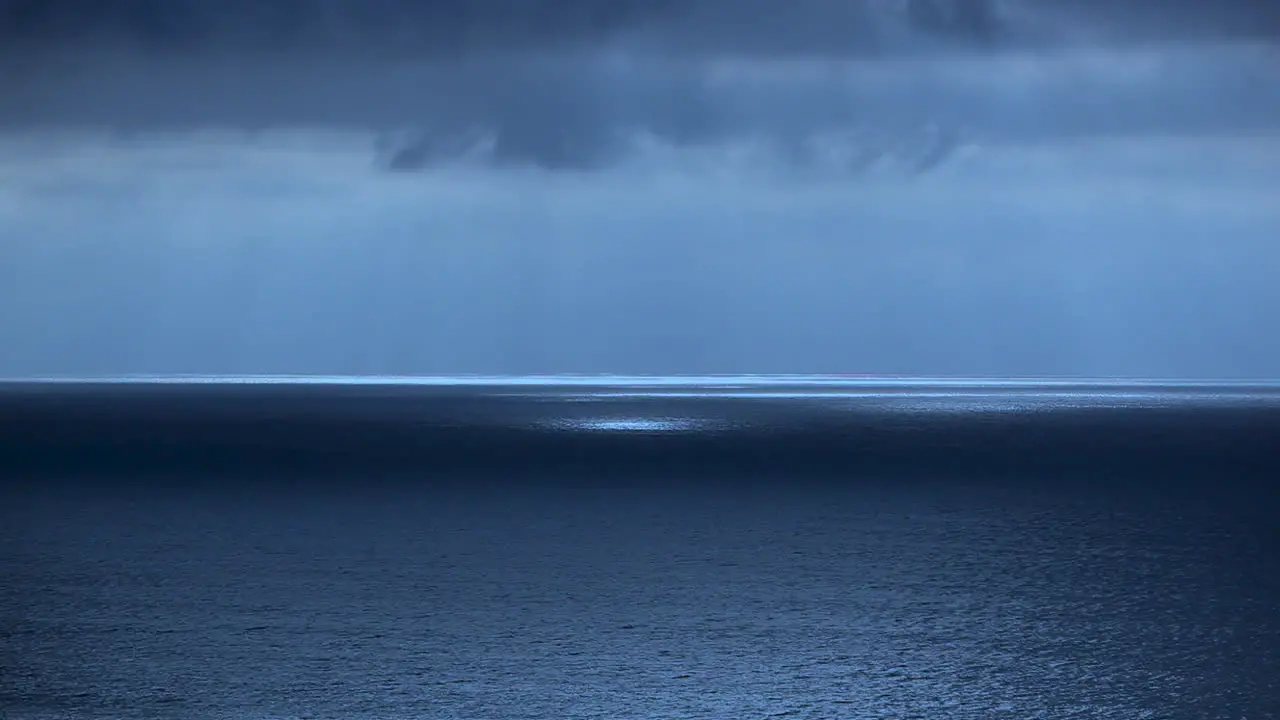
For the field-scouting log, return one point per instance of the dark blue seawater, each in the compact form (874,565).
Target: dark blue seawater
(635,603)
(943,595)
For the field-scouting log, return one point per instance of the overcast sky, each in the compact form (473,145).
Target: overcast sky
(290,254)
(539,68)
(1097,208)
(753,26)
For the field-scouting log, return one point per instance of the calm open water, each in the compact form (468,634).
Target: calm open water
(854,550)
(877,601)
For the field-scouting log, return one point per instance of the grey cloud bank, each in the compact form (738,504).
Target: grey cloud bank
(1099,206)
(437,28)
(686,71)
(582,110)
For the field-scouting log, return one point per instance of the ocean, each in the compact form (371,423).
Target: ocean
(952,591)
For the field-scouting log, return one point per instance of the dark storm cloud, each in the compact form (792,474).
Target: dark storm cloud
(748,26)
(391,25)
(539,77)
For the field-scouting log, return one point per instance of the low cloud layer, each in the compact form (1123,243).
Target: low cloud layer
(572,85)
(588,110)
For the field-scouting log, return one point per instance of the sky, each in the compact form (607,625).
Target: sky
(664,188)
(447,27)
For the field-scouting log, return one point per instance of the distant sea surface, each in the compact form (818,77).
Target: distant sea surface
(941,596)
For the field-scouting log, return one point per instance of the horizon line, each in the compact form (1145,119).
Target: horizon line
(727,379)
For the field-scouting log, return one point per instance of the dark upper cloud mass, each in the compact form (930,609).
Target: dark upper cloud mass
(450,27)
(430,26)
(537,79)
